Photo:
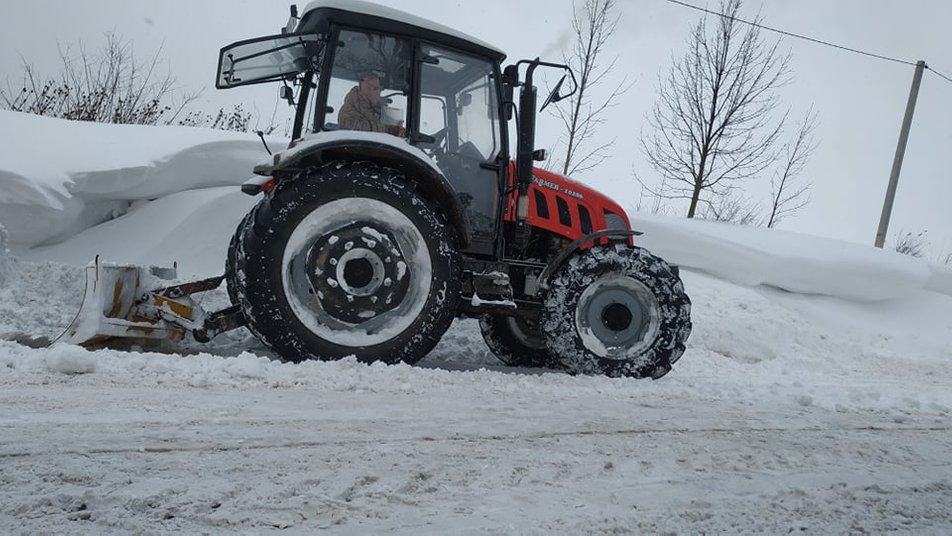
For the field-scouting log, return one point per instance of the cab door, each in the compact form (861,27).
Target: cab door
(459,125)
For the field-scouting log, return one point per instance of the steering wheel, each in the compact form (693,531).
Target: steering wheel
(438,145)
(470,151)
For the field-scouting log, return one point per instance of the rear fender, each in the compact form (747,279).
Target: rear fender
(384,149)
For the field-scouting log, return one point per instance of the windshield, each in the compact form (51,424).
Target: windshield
(268,58)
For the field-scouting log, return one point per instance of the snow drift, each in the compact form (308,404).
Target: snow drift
(59,177)
(789,261)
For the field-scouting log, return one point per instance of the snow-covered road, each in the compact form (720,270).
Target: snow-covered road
(416,450)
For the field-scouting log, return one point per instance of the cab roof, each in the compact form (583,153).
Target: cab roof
(319,15)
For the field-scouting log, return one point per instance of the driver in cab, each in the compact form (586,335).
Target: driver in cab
(362,108)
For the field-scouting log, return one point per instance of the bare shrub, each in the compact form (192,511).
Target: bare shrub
(237,120)
(106,86)
(914,245)
(732,208)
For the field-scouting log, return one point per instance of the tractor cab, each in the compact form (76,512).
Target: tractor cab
(362,67)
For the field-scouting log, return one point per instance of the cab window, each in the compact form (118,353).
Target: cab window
(369,83)
(463,89)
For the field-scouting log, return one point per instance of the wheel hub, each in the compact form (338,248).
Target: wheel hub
(617,316)
(357,273)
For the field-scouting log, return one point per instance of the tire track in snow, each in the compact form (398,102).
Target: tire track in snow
(472,439)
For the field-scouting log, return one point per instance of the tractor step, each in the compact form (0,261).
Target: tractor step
(490,290)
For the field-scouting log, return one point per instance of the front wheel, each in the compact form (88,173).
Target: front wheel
(348,260)
(618,311)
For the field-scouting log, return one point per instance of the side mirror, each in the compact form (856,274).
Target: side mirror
(510,79)
(465,99)
(292,22)
(286,93)
(555,96)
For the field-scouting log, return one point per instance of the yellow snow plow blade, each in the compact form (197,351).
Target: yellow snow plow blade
(121,301)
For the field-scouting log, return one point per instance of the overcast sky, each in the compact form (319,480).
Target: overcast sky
(859,100)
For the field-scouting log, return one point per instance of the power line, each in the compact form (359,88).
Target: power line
(811,39)
(798,36)
(940,75)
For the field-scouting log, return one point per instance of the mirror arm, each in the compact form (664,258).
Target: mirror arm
(287,93)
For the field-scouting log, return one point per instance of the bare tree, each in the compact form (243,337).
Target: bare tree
(714,122)
(593,25)
(787,194)
(109,86)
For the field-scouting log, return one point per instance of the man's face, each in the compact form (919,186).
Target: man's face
(370,89)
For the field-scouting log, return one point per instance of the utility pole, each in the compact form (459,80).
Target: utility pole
(900,153)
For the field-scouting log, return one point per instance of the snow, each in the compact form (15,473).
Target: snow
(4,256)
(940,280)
(58,177)
(385,12)
(793,262)
(815,394)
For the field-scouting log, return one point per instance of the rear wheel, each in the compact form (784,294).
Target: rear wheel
(516,341)
(617,311)
(348,260)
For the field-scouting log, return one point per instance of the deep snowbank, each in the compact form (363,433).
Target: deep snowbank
(792,262)
(87,173)
(190,228)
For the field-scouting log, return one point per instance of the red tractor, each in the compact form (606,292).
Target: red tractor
(398,206)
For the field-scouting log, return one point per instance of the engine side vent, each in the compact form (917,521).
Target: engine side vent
(585,219)
(565,216)
(542,206)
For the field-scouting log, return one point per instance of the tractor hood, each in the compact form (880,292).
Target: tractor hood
(575,192)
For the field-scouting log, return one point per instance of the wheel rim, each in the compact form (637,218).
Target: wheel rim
(617,317)
(347,273)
